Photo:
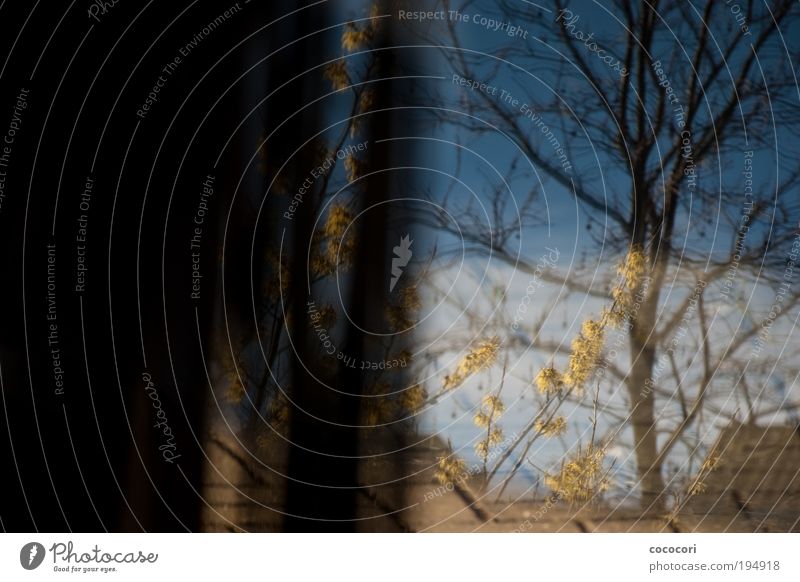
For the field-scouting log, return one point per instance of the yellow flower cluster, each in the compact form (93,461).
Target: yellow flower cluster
(491,409)
(481,357)
(341,242)
(584,354)
(483,447)
(580,478)
(711,463)
(339,218)
(383,407)
(632,268)
(355,37)
(697,488)
(490,412)
(366,100)
(495,437)
(413,398)
(551,428)
(336,73)
(320,264)
(630,271)
(549,381)
(450,468)
(354,167)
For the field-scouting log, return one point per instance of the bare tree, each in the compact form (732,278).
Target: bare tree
(674,128)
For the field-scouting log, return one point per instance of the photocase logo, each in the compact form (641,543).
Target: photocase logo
(402,254)
(31,555)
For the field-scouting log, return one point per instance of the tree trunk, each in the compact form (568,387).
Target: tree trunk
(650,479)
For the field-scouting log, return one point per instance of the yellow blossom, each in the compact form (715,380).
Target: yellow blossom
(354,168)
(355,37)
(482,449)
(630,272)
(490,410)
(495,436)
(481,420)
(581,477)
(339,218)
(481,357)
(493,404)
(413,398)
(549,381)
(584,354)
(552,428)
(614,316)
(336,73)
(366,100)
(632,268)
(450,468)
(711,463)
(320,265)
(339,250)
(697,488)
